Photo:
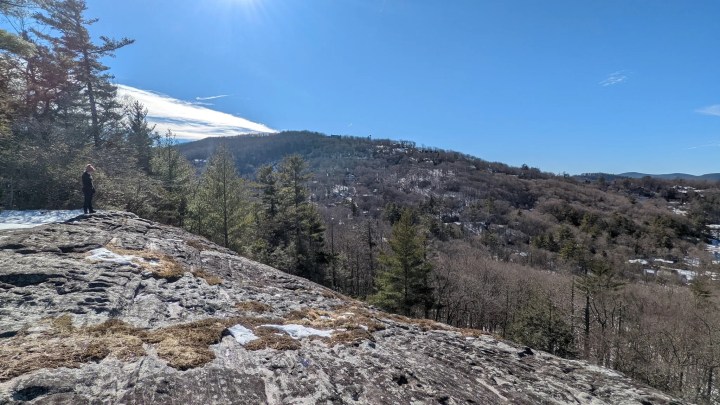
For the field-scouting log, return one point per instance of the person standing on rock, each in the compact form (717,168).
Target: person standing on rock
(88,188)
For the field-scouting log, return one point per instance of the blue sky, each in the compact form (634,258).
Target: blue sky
(565,86)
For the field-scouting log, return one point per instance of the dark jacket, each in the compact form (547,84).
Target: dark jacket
(87,180)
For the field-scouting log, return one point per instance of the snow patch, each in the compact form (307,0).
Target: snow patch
(299,331)
(686,274)
(678,211)
(105,255)
(663,261)
(242,334)
(641,261)
(602,370)
(33,218)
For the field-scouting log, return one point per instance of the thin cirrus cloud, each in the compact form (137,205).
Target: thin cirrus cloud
(710,110)
(707,145)
(189,120)
(211,97)
(614,78)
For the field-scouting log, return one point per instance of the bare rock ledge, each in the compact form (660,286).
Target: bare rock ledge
(149,320)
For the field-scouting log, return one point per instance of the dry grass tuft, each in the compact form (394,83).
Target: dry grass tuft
(424,324)
(251,322)
(427,325)
(209,278)
(67,346)
(271,338)
(160,265)
(197,245)
(112,327)
(181,356)
(328,293)
(343,317)
(253,306)
(199,333)
(356,323)
(351,337)
(168,269)
(63,323)
(26,354)
(183,346)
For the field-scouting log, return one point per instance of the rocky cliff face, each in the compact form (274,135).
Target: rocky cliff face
(111,308)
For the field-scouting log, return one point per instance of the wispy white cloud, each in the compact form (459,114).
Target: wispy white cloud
(710,110)
(615,78)
(212,97)
(715,144)
(189,120)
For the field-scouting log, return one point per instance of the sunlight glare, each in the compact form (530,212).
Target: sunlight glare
(251,10)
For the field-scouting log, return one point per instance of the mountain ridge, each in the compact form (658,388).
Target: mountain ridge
(674,176)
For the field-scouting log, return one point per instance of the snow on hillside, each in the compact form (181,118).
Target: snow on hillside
(33,218)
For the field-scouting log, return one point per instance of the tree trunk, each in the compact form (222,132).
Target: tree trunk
(91,99)
(586,343)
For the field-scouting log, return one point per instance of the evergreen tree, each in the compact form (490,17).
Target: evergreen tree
(93,86)
(290,234)
(303,230)
(219,207)
(140,134)
(269,232)
(175,174)
(10,42)
(540,324)
(403,283)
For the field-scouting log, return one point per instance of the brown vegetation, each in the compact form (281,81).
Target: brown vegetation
(159,264)
(253,306)
(271,338)
(198,245)
(342,317)
(211,279)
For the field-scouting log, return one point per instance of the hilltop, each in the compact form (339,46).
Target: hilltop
(117,309)
(520,208)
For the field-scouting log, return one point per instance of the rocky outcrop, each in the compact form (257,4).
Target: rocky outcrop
(111,308)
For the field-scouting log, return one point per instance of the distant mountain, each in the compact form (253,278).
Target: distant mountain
(673,176)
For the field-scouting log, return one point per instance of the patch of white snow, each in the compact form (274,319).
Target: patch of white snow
(105,255)
(663,261)
(641,261)
(299,331)
(32,218)
(242,334)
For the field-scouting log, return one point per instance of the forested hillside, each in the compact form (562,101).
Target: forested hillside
(620,271)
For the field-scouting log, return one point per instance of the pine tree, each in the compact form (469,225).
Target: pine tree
(74,44)
(175,174)
(303,229)
(219,208)
(140,134)
(290,231)
(540,324)
(403,283)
